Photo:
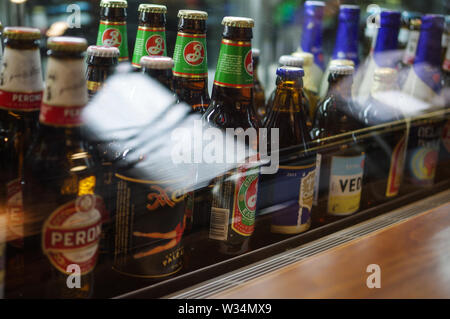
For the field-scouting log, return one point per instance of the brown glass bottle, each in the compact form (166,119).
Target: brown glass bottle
(112,30)
(21,89)
(159,68)
(385,152)
(292,187)
(190,71)
(340,168)
(232,107)
(258,89)
(101,62)
(63,214)
(151,33)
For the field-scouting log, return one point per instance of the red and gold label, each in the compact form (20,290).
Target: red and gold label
(71,234)
(61,115)
(20,101)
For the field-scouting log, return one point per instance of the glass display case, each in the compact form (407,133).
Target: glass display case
(128,175)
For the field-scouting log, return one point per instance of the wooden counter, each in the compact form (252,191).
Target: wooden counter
(414,257)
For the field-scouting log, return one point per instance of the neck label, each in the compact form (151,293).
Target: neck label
(149,42)
(114,34)
(235,67)
(189,56)
(18,101)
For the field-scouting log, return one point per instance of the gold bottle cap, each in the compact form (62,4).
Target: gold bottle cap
(385,74)
(342,69)
(157,62)
(308,58)
(153,8)
(22,33)
(238,22)
(67,44)
(342,62)
(103,51)
(193,14)
(114,4)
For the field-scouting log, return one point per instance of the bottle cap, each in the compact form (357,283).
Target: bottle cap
(385,74)
(342,62)
(314,9)
(238,22)
(68,44)
(156,62)
(22,33)
(113,4)
(103,51)
(290,72)
(341,69)
(256,52)
(289,60)
(308,58)
(193,14)
(432,21)
(390,18)
(153,8)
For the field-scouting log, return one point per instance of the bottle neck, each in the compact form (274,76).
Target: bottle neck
(311,40)
(113,14)
(340,86)
(65,93)
(386,43)
(346,46)
(411,47)
(255,69)
(162,76)
(21,84)
(287,87)
(383,85)
(429,47)
(151,19)
(446,64)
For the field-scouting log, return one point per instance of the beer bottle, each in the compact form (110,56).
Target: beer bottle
(158,68)
(21,89)
(310,89)
(293,184)
(294,61)
(311,40)
(340,170)
(234,200)
(63,215)
(190,71)
(346,45)
(410,51)
(405,28)
(151,33)
(112,31)
(383,55)
(386,152)
(101,62)
(258,89)
(424,83)
(445,37)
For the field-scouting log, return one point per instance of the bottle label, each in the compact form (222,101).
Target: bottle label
(114,34)
(71,234)
(14,210)
(189,56)
(295,188)
(423,154)
(235,67)
(19,101)
(317,179)
(67,116)
(396,167)
(243,205)
(345,184)
(149,42)
(411,47)
(150,222)
(244,208)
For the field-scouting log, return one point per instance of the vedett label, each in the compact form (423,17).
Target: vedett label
(345,184)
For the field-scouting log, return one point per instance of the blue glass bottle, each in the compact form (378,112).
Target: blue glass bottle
(346,46)
(311,40)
